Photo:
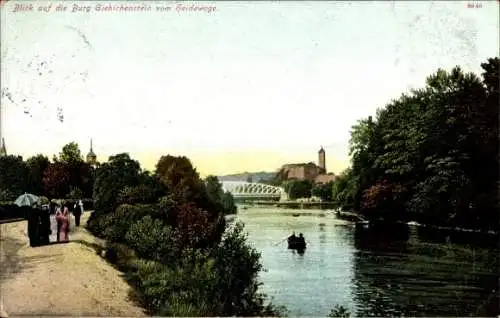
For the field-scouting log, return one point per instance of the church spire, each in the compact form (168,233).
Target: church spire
(91,156)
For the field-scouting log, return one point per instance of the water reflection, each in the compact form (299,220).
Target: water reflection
(375,271)
(419,276)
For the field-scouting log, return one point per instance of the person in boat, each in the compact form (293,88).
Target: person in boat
(292,237)
(301,240)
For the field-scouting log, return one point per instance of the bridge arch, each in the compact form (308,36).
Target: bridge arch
(250,190)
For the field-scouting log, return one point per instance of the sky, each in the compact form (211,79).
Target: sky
(240,86)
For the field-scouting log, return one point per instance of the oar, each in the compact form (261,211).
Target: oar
(280,241)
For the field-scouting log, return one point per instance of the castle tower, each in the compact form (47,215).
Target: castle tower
(321,159)
(91,157)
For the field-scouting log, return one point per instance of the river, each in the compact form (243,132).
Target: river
(406,270)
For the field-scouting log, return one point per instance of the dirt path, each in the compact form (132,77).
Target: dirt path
(60,279)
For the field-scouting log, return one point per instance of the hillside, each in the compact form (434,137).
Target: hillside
(255,176)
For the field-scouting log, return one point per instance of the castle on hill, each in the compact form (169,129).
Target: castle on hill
(308,171)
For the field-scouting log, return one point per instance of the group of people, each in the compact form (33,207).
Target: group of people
(299,239)
(39,224)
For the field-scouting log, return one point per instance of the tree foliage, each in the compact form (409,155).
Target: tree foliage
(13,175)
(224,201)
(175,248)
(430,155)
(56,179)
(39,176)
(37,165)
(112,177)
(298,188)
(323,191)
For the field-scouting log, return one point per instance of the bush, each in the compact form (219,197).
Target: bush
(75,193)
(12,211)
(237,266)
(120,255)
(7,195)
(339,311)
(138,194)
(150,239)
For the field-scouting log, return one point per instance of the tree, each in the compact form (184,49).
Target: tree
(323,191)
(223,201)
(56,180)
(298,189)
(37,166)
(81,174)
(430,155)
(178,175)
(111,177)
(71,153)
(13,175)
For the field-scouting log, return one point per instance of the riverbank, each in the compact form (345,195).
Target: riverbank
(60,279)
(356,217)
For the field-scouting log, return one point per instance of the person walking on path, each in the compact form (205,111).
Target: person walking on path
(64,229)
(58,220)
(45,226)
(80,203)
(77,212)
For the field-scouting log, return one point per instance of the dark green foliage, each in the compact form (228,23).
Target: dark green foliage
(150,238)
(323,191)
(173,250)
(12,211)
(236,267)
(13,175)
(39,176)
(430,155)
(223,201)
(37,165)
(112,177)
(228,204)
(7,195)
(298,188)
(339,311)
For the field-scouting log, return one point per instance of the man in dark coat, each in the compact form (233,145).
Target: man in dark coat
(77,212)
(45,230)
(33,216)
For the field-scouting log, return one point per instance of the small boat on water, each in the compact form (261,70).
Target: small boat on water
(296,242)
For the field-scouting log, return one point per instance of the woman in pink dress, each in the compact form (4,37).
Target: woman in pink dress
(63,219)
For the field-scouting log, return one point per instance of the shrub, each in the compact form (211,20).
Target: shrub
(182,289)
(7,195)
(150,238)
(75,193)
(137,194)
(120,255)
(339,311)
(237,266)
(12,211)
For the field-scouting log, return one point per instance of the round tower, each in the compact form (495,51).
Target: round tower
(321,159)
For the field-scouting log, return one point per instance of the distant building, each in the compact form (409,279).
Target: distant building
(308,171)
(91,156)
(3,149)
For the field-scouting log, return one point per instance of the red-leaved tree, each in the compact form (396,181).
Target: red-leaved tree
(56,179)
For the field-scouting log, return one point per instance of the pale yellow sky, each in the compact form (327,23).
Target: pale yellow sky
(247,87)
